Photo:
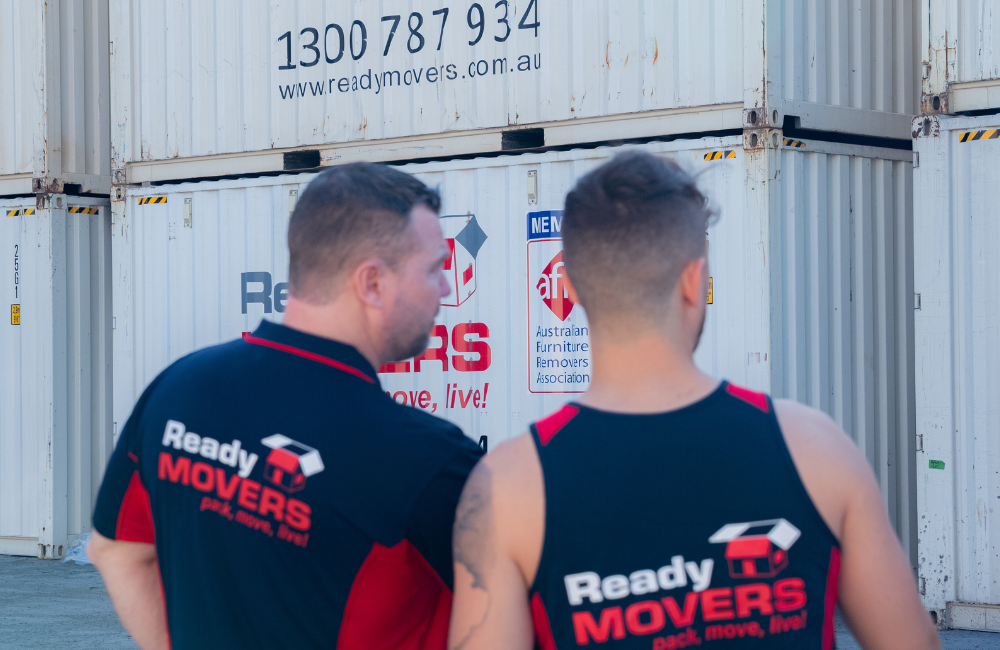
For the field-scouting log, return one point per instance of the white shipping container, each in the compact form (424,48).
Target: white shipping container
(55,96)
(812,292)
(411,79)
(55,352)
(956,239)
(960,40)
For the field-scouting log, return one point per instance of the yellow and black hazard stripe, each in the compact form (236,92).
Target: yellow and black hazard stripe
(81,209)
(12,213)
(972,136)
(152,199)
(19,211)
(28,211)
(719,155)
(794,143)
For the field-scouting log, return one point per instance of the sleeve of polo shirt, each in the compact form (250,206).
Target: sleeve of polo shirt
(122,512)
(433,514)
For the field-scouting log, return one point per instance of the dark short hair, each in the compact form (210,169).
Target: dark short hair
(629,229)
(348,214)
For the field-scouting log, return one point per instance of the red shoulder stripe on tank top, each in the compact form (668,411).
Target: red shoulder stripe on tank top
(751,397)
(540,619)
(548,427)
(830,599)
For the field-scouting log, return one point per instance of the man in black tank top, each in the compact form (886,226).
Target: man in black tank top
(666,509)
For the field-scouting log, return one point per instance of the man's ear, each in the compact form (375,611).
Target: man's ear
(369,280)
(570,289)
(692,285)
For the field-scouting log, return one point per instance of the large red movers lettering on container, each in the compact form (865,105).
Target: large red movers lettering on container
(272,298)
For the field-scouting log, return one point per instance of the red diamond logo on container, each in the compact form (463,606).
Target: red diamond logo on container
(552,287)
(757,549)
(290,463)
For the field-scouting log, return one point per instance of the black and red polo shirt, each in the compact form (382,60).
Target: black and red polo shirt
(291,501)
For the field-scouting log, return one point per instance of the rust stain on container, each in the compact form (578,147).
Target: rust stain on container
(656,53)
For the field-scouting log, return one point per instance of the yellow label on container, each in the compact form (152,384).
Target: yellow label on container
(710,292)
(15,314)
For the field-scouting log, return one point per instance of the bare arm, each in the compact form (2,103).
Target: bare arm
(497,543)
(877,592)
(132,575)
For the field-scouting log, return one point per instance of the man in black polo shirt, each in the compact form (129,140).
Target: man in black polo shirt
(267,493)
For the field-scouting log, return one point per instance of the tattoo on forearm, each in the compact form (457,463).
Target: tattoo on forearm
(473,539)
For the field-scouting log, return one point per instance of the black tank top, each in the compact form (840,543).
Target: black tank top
(681,529)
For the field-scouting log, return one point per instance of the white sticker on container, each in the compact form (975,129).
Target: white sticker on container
(558,334)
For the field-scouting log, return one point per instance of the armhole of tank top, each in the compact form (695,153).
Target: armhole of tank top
(786,456)
(545,523)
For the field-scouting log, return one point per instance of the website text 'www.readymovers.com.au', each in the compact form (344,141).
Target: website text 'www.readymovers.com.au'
(382,81)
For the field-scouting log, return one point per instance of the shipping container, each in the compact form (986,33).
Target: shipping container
(811,285)
(55,352)
(957,321)
(960,43)
(55,97)
(220,87)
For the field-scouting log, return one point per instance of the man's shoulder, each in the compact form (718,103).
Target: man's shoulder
(831,466)
(413,427)
(213,360)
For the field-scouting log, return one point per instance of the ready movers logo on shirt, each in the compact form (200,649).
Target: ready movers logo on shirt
(258,507)
(754,551)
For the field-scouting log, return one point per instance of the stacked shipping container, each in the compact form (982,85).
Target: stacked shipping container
(955,244)
(55,404)
(813,248)
(813,294)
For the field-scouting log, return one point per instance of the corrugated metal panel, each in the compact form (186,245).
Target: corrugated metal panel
(857,55)
(55,344)
(961,45)
(840,284)
(979,38)
(844,308)
(55,93)
(191,81)
(956,238)
(964,38)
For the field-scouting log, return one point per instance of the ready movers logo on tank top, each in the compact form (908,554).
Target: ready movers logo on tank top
(204,465)
(558,334)
(679,605)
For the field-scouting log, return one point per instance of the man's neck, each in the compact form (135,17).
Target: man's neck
(335,321)
(647,373)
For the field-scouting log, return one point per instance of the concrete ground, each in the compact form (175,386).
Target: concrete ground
(64,605)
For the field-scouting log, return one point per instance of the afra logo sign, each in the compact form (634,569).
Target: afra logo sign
(552,288)
(758,549)
(465,238)
(290,463)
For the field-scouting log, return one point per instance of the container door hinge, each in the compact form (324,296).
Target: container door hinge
(920,442)
(923,586)
(916,301)
(114,322)
(293,198)
(916,159)
(187,213)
